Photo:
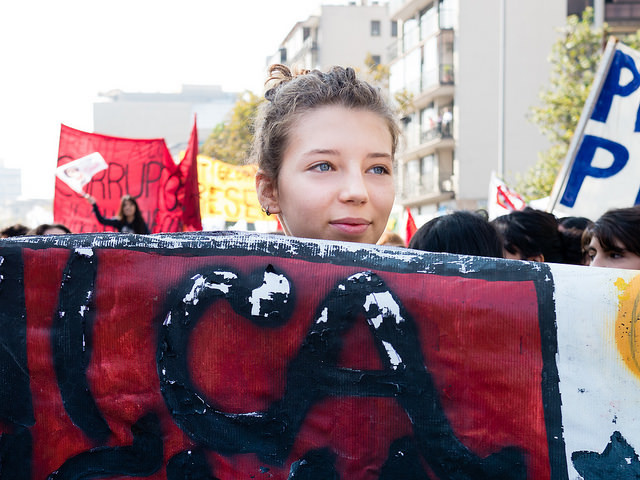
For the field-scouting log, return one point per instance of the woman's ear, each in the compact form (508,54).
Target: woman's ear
(267,192)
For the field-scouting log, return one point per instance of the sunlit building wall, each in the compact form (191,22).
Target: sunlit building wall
(338,35)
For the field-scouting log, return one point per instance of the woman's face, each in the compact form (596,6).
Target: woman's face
(620,257)
(128,208)
(336,177)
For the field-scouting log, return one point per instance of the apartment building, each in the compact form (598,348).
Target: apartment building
(472,71)
(338,35)
(469,98)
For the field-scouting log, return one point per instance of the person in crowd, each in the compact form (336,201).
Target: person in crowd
(324,145)
(15,230)
(392,239)
(447,118)
(461,232)
(614,239)
(128,220)
(50,229)
(532,235)
(572,229)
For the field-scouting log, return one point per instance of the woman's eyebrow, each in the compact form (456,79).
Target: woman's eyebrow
(379,155)
(330,151)
(321,151)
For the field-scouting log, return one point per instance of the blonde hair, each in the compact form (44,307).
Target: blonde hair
(292,93)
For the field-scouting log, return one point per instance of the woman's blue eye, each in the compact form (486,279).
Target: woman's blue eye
(379,170)
(323,167)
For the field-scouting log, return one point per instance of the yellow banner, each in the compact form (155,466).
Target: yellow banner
(228,191)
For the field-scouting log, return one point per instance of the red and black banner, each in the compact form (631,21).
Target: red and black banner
(142,168)
(246,356)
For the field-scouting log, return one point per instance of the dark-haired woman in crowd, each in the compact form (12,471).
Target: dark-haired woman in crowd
(572,229)
(461,232)
(324,146)
(533,235)
(128,220)
(614,239)
(50,229)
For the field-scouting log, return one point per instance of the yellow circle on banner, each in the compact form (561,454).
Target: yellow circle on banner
(628,323)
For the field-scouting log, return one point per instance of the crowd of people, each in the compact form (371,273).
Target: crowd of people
(613,240)
(128,220)
(325,143)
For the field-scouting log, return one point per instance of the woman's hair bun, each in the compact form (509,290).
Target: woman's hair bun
(280,74)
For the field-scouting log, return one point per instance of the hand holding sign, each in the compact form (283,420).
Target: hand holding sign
(77,173)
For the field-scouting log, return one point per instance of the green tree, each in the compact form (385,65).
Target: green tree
(376,73)
(574,59)
(230,141)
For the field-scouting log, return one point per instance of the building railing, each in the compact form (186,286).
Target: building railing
(618,12)
(438,132)
(414,191)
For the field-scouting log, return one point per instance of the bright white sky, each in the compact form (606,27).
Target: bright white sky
(57,55)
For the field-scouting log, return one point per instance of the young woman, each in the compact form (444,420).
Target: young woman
(128,220)
(532,235)
(324,145)
(614,239)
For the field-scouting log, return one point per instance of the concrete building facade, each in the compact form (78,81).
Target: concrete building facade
(163,115)
(338,35)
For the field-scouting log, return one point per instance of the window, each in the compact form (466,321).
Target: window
(427,173)
(376,59)
(375,28)
(410,34)
(306,32)
(412,178)
(394,28)
(447,14)
(428,21)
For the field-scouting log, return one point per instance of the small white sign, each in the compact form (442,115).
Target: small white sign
(79,172)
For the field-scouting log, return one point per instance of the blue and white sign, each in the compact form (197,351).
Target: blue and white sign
(602,168)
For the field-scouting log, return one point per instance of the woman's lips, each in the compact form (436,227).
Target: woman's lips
(351,226)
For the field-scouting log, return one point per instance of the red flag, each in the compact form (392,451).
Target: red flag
(411,225)
(189,194)
(143,169)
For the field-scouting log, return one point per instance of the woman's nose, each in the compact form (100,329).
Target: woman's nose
(354,188)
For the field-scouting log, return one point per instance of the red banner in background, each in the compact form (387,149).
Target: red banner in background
(190,194)
(143,169)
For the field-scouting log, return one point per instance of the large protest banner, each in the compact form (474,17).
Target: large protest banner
(141,168)
(602,167)
(255,356)
(228,192)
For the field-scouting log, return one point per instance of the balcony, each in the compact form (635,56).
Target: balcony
(403,9)
(622,12)
(426,67)
(437,133)
(426,180)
